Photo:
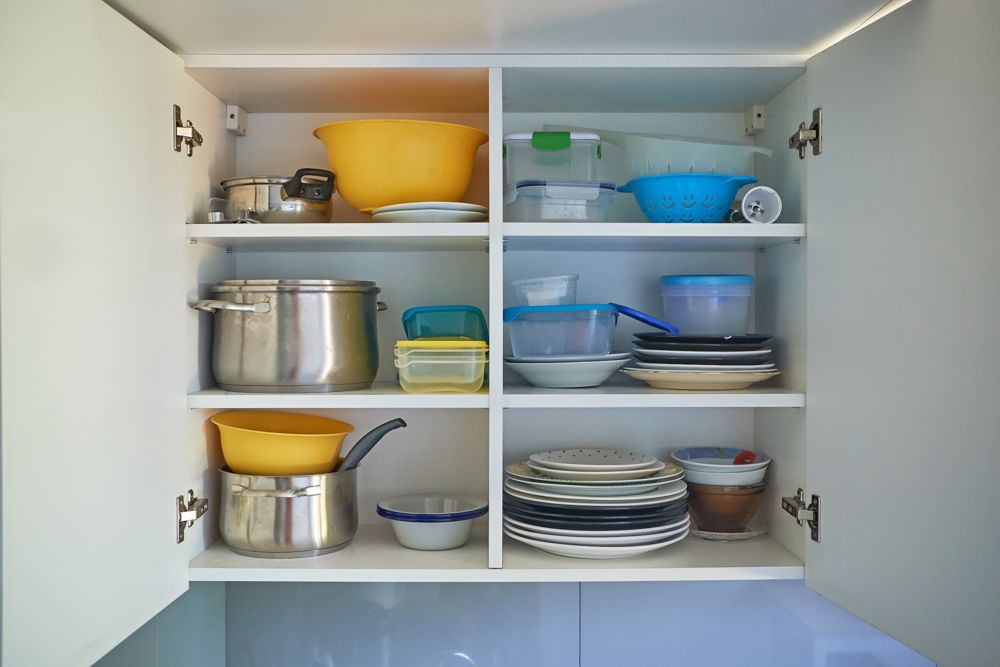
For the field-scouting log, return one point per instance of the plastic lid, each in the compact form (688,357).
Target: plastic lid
(645,319)
(439,344)
(511,314)
(546,279)
(574,136)
(566,184)
(720,279)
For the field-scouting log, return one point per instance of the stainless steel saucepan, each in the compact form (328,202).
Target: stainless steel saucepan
(304,197)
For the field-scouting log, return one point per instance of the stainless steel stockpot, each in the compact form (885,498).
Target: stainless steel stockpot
(288,517)
(294,336)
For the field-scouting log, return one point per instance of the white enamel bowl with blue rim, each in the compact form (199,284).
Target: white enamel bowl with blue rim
(714,465)
(432,522)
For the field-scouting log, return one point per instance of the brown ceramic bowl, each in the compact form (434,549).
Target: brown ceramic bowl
(724,509)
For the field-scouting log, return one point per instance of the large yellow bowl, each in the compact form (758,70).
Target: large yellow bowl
(280,443)
(384,162)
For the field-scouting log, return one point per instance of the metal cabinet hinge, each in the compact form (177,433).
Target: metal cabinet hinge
(189,510)
(809,134)
(185,134)
(804,514)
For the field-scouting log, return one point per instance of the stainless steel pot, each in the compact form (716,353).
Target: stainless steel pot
(294,336)
(304,197)
(288,517)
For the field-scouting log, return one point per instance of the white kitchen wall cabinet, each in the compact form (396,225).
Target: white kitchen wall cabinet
(879,286)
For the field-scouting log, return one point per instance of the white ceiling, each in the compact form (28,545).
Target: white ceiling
(496,26)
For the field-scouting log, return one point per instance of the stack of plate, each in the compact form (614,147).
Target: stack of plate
(431,211)
(595,503)
(701,362)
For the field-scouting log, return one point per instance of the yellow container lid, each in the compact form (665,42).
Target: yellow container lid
(428,344)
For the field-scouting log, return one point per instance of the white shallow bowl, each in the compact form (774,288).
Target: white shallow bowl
(680,523)
(717,459)
(567,374)
(734,478)
(578,551)
(437,536)
(597,540)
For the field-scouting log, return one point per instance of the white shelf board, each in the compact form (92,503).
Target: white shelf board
(375,556)
(387,395)
(356,236)
(692,559)
(636,395)
(647,236)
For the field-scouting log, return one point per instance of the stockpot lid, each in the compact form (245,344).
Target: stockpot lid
(295,286)
(255,180)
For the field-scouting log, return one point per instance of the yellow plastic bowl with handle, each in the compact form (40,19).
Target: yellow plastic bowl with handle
(280,443)
(383,162)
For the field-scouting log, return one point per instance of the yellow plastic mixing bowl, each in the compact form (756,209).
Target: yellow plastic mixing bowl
(384,162)
(280,443)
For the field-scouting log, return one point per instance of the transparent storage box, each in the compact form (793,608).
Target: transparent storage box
(437,366)
(445,322)
(546,331)
(566,156)
(548,291)
(577,201)
(715,305)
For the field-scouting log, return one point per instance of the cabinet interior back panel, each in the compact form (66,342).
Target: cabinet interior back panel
(276,144)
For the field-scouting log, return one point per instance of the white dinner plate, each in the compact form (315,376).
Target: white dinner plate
(430,215)
(598,540)
(440,205)
(597,474)
(605,491)
(703,367)
(597,458)
(577,551)
(625,531)
(666,493)
(566,358)
(595,502)
(698,380)
(694,354)
(522,471)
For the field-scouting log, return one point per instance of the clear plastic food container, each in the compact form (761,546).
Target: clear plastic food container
(550,155)
(445,322)
(436,366)
(545,331)
(580,201)
(708,304)
(548,291)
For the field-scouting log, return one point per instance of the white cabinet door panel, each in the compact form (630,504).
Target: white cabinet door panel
(904,376)
(96,340)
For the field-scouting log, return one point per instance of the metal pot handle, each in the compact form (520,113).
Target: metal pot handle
(379,306)
(211,305)
(240,490)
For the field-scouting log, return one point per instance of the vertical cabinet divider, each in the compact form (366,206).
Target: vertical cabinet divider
(495,537)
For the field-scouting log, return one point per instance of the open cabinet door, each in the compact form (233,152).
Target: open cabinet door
(904,322)
(96,336)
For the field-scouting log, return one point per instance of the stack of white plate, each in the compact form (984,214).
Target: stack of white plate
(570,371)
(595,503)
(431,211)
(701,362)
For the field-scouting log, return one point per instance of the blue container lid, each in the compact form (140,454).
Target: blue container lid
(511,314)
(708,280)
(562,184)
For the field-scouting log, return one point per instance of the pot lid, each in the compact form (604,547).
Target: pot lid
(280,285)
(255,180)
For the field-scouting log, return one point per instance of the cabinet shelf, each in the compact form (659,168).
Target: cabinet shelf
(387,395)
(647,236)
(355,236)
(642,396)
(375,556)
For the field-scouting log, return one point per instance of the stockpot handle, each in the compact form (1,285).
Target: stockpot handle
(211,305)
(240,490)
(379,306)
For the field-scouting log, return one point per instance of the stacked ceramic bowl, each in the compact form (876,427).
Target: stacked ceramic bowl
(595,503)
(726,487)
(701,362)
(432,522)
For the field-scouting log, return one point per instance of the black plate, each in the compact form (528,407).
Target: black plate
(597,514)
(699,347)
(661,337)
(706,361)
(548,508)
(608,525)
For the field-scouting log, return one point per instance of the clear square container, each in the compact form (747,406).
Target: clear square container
(576,201)
(439,366)
(567,156)
(715,305)
(547,331)
(547,291)
(445,322)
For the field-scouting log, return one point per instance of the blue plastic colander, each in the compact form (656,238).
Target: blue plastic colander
(686,197)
